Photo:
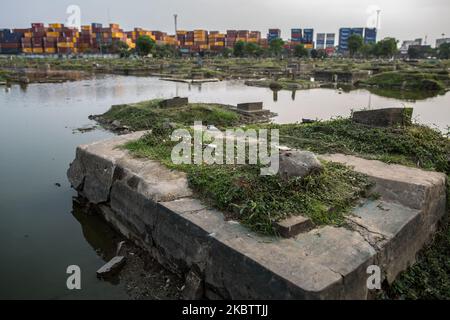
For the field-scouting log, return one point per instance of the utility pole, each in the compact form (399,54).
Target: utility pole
(175,16)
(378,19)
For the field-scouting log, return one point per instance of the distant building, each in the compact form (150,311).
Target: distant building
(441,41)
(408,43)
(320,41)
(370,35)
(330,40)
(308,36)
(297,35)
(325,40)
(274,34)
(345,34)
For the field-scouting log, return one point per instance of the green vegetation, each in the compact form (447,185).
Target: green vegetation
(148,115)
(276,46)
(4,75)
(444,51)
(247,49)
(145,45)
(386,48)
(418,146)
(355,43)
(259,201)
(408,80)
(300,51)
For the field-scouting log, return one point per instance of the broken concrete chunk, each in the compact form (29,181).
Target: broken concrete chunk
(294,226)
(194,287)
(111,268)
(298,164)
(384,117)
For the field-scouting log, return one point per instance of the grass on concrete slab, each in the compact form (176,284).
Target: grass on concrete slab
(259,201)
(148,114)
(409,80)
(416,145)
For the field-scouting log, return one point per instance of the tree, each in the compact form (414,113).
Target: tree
(444,51)
(413,53)
(165,51)
(276,46)
(227,52)
(300,51)
(251,49)
(368,50)
(386,48)
(239,49)
(145,45)
(321,54)
(355,43)
(314,54)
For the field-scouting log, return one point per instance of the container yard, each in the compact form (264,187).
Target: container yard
(98,39)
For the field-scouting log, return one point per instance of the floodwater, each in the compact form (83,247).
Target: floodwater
(41,234)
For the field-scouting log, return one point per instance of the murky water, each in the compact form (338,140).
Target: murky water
(40,236)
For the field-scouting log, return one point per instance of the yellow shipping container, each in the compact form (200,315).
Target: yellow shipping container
(38,50)
(50,50)
(55,25)
(117,35)
(65,44)
(27,50)
(52,34)
(28,34)
(86,28)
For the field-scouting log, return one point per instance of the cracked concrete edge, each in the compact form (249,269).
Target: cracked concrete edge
(408,186)
(100,174)
(218,241)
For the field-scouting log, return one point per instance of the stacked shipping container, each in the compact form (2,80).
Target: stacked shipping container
(95,38)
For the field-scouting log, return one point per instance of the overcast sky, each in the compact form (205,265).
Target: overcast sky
(403,19)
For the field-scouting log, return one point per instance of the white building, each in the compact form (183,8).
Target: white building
(441,41)
(407,43)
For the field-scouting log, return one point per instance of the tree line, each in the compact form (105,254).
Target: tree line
(386,48)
